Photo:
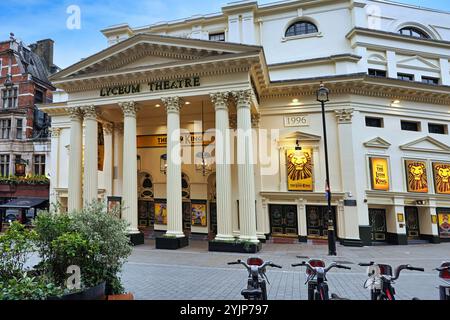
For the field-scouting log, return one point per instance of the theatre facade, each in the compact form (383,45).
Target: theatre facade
(209,139)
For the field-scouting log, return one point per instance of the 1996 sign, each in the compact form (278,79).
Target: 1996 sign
(296,121)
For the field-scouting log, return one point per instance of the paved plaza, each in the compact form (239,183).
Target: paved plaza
(193,273)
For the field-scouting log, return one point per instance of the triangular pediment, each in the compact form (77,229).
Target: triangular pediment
(377,143)
(418,62)
(148,50)
(426,144)
(300,136)
(377,59)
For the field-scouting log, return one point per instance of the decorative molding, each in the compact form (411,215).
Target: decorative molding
(344,115)
(129,108)
(413,146)
(118,126)
(243,98)
(377,143)
(220,100)
(172,104)
(300,136)
(89,112)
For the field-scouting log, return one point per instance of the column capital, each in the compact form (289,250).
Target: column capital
(108,128)
(344,115)
(55,132)
(256,117)
(172,104)
(242,98)
(129,108)
(220,100)
(75,113)
(118,126)
(89,112)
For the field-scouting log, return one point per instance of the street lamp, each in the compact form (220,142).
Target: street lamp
(322,97)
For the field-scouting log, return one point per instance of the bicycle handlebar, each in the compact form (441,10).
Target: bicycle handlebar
(311,268)
(261,267)
(440,269)
(405,267)
(371,263)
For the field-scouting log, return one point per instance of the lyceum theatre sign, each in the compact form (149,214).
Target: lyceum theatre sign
(162,85)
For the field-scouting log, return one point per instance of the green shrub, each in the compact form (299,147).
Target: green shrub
(25,287)
(16,245)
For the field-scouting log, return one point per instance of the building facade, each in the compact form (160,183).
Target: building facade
(24,138)
(256,68)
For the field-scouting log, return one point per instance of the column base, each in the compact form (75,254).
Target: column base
(224,238)
(303,239)
(397,239)
(236,247)
(136,239)
(431,238)
(365,234)
(168,243)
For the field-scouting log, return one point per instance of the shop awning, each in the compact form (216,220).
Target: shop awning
(23,203)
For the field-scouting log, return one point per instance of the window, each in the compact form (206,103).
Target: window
(38,97)
(430,80)
(5,128)
(19,129)
(39,165)
(377,73)
(374,122)
(437,128)
(217,37)
(4,165)
(410,126)
(301,28)
(414,32)
(405,77)
(9,97)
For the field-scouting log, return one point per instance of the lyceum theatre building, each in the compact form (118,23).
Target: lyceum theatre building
(209,127)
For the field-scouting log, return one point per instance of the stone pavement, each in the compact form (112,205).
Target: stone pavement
(193,273)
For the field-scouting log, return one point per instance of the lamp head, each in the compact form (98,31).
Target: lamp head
(323,93)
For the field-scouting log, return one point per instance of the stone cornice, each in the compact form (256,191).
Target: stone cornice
(361,84)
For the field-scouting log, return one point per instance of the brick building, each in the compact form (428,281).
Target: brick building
(24,130)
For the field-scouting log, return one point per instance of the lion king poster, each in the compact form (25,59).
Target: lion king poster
(417,179)
(442,177)
(300,170)
(380,174)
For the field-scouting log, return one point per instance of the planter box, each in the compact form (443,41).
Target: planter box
(94,293)
(171,243)
(237,247)
(121,297)
(136,239)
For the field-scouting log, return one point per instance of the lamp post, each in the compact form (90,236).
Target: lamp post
(322,97)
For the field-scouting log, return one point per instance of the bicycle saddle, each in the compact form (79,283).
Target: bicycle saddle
(250,292)
(336,297)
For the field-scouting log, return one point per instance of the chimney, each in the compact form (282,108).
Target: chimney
(44,49)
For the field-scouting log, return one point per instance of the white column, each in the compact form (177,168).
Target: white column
(445,71)
(246,177)
(54,164)
(90,191)
(174,200)
(130,192)
(109,155)
(118,159)
(223,169)
(75,160)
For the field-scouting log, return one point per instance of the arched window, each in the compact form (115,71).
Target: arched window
(414,32)
(300,28)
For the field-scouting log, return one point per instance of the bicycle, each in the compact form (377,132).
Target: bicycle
(317,279)
(381,280)
(444,274)
(256,282)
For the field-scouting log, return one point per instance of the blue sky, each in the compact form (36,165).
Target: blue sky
(32,20)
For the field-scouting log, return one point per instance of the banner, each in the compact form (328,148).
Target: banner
(379,169)
(161,213)
(160,141)
(199,215)
(101,147)
(416,173)
(300,170)
(441,178)
(444,224)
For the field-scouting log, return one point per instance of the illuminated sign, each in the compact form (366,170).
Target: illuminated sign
(416,173)
(160,141)
(441,178)
(300,170)
(380,173)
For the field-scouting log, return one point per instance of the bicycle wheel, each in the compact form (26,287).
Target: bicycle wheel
(264,290)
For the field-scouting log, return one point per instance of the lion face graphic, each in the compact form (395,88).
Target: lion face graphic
(300,166)
(417,176)
(443,178)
